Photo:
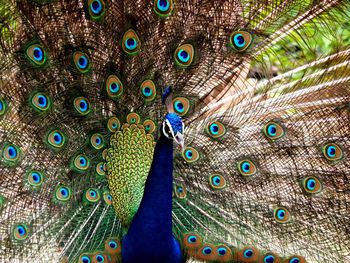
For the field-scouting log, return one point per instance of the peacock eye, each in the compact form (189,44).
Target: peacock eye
(96,9)
(35,178)
(97,141)
(112,246)
(181,106)
(217,181)
(312,185)
(3,106)
(207,250)
(114,86)
(20,232)
(36,54)
(85,259)
(192,241)
(92,195)
(180,191)
(216,129)
(246,167)
(100,258)
(332,152)
(100,169)
(222,251)
(81,163)
(281,215)
(113,124)
(82,106)
(131,43)
(163,8)
(107,198)
(273,130)
(240,40)
(56,139)
(63,193)
(149,125)
(248,253)
(133,118)
(148,90)
(40,102)
(296,259)
(184,55)
(11,153)
(269,259)
(81,61)
(190,154)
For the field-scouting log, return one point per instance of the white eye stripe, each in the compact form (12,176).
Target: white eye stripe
(167,123)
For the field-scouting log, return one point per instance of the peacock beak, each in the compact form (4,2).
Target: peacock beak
(179,139)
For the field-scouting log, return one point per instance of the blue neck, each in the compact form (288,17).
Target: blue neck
(149,238)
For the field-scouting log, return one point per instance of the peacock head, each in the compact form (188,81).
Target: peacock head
(172,127)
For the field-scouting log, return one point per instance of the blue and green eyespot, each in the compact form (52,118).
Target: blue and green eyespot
(184,55)
(246,167)
(81,163)
(216,129)
(192,241)
(40,102)
(92,195)
(273,130)
(20,232)
(311,185)
(332,152)
(131,43)
(190,154)
(149,126)
(107,197)
(181,106)
(100,169)
(97,141)
(82,106)
(81,62)
(114,86)
(63,193)
(36,54)
(112,246)
(240,40)
(148,90)
(85,258)
(11,154)
(269,258)
(163,8)
(217,181)
(96,9)
(281,215)
(180,191)
(56,139)
(3,106)
(113,124)
(133,118)
(35,178)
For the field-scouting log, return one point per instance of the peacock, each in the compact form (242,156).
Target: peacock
(171,131)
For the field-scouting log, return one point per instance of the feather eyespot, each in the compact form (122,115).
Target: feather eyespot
(216,129)
(273,131)
(81,163)
(184,55)
(296,259)
(281,215)
(133,118)
(35,178)
(206,253)
(217,181)
(190,154)
(92,195)
(113,246)
(36,54)
(56,139)
(269,259)
(114,86)
(20,232)
(107,197)
(248,253)
(3,106)
(224,253)
(192,241)
(100,169)
(332,152)
(246,167)
(148,90)
(312,185)
(241,40)
(97,141)
(163,8)
(113,124)
(149,125)
(63,193)
(96,9)
(11,153)
(181,106)
(84,258)
(40,102)
(81,62)
(82,106)
(180,191)
(100,258)
(131,43)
